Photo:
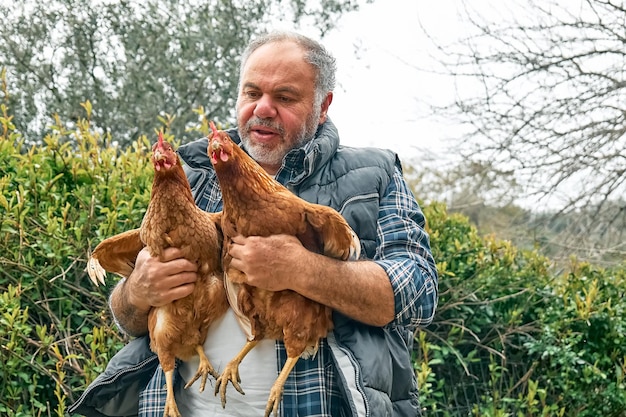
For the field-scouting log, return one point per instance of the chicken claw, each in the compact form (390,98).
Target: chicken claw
(276,393)
(231,373)
(204,369)
(171,410)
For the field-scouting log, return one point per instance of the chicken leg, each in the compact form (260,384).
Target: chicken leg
(231,372)
(204,369)
(171,409)
(276,393)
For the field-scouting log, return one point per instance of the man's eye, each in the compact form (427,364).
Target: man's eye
(284,99)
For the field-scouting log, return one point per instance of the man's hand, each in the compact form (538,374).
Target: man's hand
(154,282)
(269,262)
(358,289)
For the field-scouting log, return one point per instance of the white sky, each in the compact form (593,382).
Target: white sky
(382,90)
(376,102)
(380,94)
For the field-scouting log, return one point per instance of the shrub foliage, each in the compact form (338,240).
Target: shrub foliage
(57,201)
(512,337)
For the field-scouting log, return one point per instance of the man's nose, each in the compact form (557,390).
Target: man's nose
(265,108)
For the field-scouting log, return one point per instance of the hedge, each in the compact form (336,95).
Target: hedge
(512,336)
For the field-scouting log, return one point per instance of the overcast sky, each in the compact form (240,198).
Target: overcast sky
(377,103)
(379,100)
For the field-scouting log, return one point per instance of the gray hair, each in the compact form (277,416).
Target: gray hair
(314,53)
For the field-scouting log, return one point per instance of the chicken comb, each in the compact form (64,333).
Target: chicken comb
(160,138)
(213,128)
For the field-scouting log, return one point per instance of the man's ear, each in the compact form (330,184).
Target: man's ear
(325,105)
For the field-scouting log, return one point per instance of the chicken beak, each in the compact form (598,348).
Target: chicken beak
(214,147)
(158,156)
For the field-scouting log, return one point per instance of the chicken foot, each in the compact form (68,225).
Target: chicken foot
(204,369)
(231,372)
(171,409)
(276,393)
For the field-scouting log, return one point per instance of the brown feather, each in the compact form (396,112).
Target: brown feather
(257,205)
(116,254)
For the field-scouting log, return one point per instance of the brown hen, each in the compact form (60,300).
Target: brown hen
(178,329)
(257,205)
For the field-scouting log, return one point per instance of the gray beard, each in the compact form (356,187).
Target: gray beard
(274,156)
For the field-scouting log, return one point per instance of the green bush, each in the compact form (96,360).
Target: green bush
(511,336)
(514,338)
(58,200)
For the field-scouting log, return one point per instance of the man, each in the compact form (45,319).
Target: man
(364,366)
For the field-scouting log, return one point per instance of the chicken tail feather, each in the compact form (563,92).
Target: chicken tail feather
(95,271)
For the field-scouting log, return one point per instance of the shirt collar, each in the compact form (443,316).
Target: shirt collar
(301,162)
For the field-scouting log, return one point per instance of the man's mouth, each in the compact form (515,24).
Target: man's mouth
(263,134)
(264,131)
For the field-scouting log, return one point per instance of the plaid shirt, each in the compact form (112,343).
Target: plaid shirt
(403,251)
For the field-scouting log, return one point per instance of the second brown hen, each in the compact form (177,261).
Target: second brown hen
(257,205)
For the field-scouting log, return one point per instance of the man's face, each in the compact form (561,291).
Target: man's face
(275,105)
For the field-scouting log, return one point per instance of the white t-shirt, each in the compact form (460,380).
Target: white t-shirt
(258,372)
